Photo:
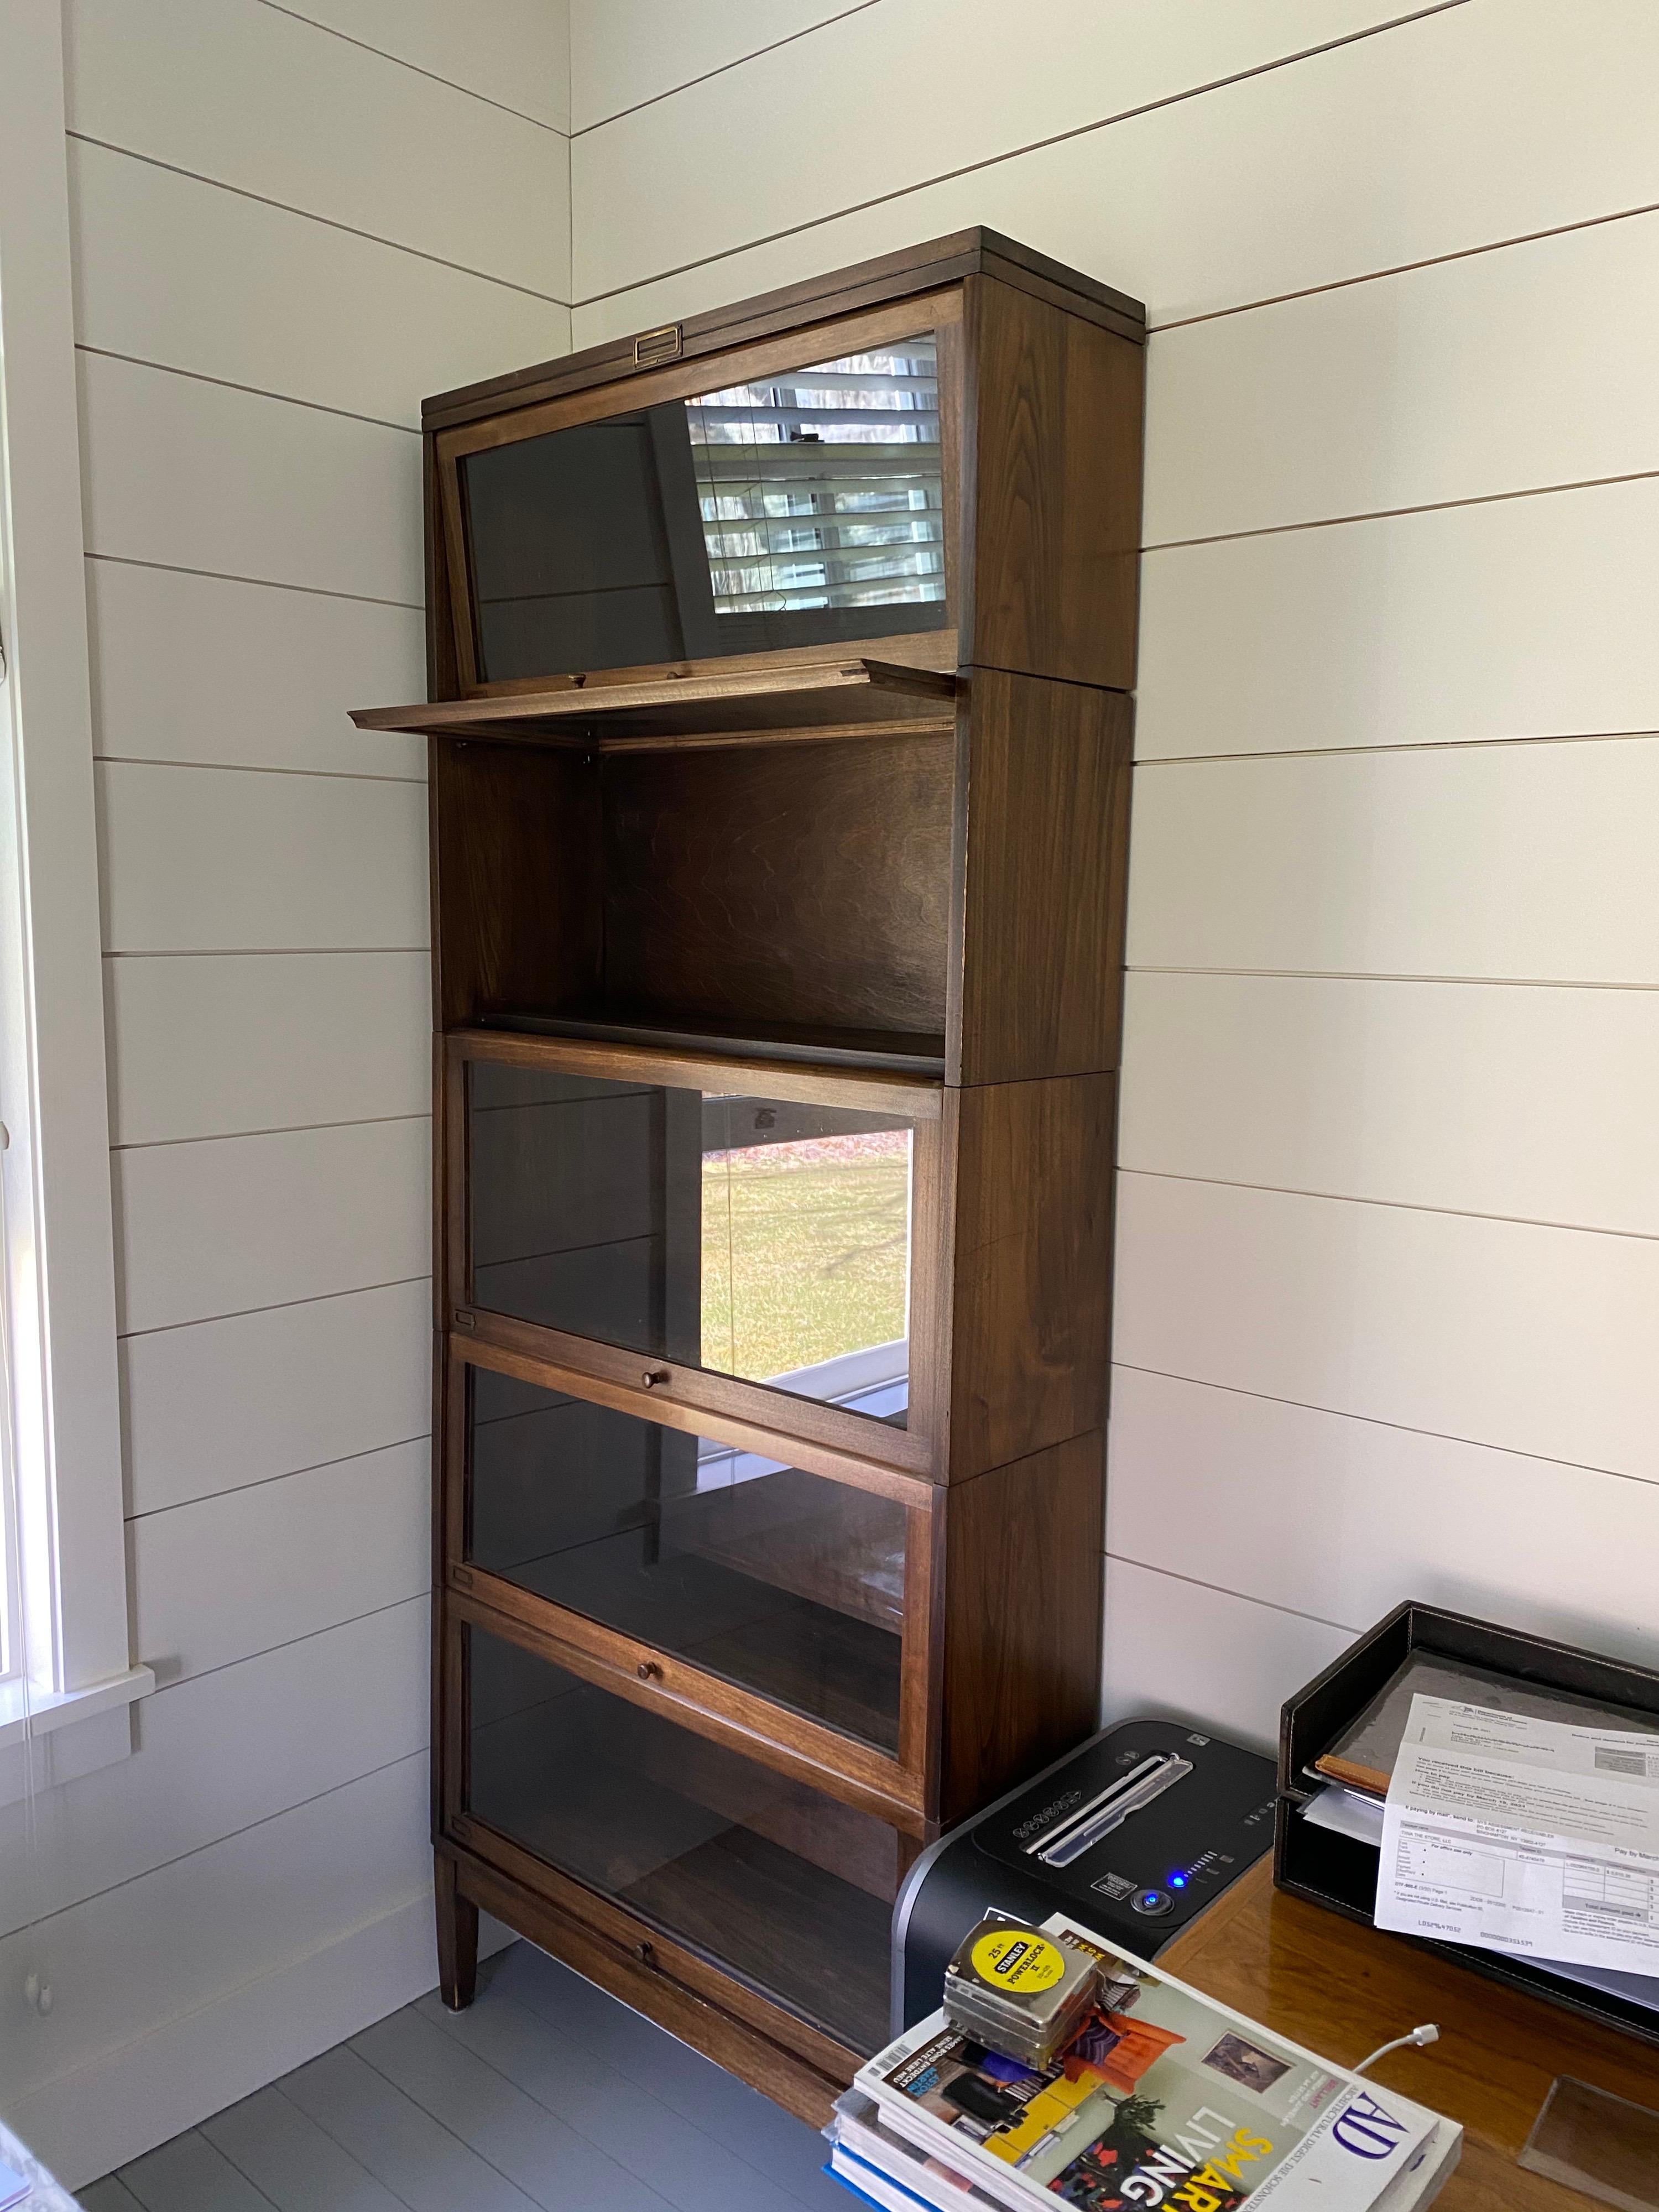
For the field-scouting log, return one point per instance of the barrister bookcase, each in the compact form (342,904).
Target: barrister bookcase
(780,665)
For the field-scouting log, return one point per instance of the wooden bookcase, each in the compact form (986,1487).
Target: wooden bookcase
(777,990)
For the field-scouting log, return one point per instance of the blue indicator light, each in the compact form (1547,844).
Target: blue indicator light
(1177,1881)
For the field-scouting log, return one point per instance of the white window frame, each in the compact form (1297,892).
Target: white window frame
(73,1662)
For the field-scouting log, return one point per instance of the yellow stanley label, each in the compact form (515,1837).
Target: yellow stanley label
(1013,1959)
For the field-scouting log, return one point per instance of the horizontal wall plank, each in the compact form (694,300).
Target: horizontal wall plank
(1344,1518)
(123,1963)
(223,1578)
(221,1404)
(191,475)
(624,51)
(1537,1103)
(321,1712)
(1442,383)
(176,271)
(1534,1339)
(1519,617)
(1529,862)
(238,1223)
(1205,203)
(516,52)
(198,860)
(1204,1656)
(125,2100)
(223,1046)
(202,668)
(270,105)
(968,77)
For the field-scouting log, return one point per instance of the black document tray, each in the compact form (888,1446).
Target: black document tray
(1340,1873)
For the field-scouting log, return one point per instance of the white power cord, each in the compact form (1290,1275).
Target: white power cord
(1417,2039)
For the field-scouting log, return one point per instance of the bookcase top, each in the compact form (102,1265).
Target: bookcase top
(917,269)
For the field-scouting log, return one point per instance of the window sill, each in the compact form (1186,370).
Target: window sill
(45,1741)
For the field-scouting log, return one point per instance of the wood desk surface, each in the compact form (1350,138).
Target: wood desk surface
(1342,1989)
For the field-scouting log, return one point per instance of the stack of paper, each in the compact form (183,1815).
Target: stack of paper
(1163,2096)
(1534,1837)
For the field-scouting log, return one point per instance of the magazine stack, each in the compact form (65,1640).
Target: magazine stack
(1160,2097)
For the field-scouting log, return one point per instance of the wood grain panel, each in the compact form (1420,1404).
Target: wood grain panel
(1477,1098)
(1178,1647)
(1533,1339)
(1051,450)
(1280,1504)
(238,1223)
(225,1577)
(1020,1670)
(1523,618)
(176,270)
(1526,864)
(272,106)
(513,933)
(203,668)
(1326,1983)
(198,860)
(230,1045)
(803,883)
(1045,863)
(191,475)
(220,1404)
(1030,1290)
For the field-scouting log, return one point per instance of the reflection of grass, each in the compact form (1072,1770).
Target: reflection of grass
(812,1235)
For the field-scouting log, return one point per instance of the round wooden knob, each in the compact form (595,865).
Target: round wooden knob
(653,1375)
(649,1671)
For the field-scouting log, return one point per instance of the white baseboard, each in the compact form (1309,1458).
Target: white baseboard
(125,2101)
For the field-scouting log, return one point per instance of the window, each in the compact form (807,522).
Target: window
(64,1587)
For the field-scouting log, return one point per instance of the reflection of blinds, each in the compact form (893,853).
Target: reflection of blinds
(822,488)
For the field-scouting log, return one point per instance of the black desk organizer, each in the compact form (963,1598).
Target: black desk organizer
(1340,1873)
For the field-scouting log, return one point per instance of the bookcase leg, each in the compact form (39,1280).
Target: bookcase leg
(457,1938)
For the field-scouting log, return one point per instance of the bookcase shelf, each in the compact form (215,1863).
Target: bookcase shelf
(777,978)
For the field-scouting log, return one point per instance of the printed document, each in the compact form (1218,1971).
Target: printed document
(1536,1838)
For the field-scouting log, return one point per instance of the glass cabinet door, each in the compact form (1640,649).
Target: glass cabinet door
(804,506)
(782,1581)
(767,1877)
(757,1237)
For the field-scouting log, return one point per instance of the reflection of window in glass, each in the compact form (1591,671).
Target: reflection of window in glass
(806,1253)
(762,1573)
(821,487)
(767,1238)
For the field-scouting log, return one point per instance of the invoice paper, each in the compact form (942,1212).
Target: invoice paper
(1533,1836)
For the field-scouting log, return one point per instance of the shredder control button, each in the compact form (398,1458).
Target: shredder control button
(1151,1902)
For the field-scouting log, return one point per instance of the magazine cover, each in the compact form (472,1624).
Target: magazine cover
(1162,2098)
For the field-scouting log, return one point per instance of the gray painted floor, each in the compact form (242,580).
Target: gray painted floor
(547,2095)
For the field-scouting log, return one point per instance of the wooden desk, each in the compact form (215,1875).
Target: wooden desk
(1342,1990)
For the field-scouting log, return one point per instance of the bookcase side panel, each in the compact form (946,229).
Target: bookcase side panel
(1043,825)
(1020,1677)
(1031,1290)
(517,891)
(1055,447)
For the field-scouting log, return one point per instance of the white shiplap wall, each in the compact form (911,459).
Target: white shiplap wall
(1387,1280)
(288,224)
